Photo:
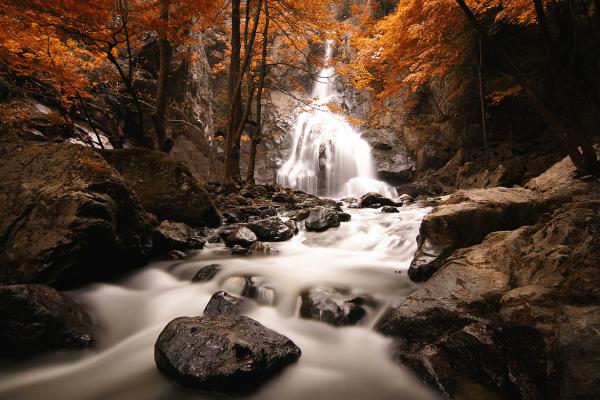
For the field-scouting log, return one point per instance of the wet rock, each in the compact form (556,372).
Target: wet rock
(376,200)
(176,236)
(259,247)
(206,273)
(345,217)
(35,318)
(165,186)
(238,250)
(320,219)
(67,216)
(389,209)
(271,230)
(331,306)
(223,353)
(298,215)
(464,219)
(292,225)
(242,236)
(223,303)
(176,255)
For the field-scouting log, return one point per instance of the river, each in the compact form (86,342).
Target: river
(370,254)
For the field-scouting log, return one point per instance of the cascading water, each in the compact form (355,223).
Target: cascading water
(350,363)
(328,156)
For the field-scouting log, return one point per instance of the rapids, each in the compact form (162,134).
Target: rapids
(370,254)
(328,156)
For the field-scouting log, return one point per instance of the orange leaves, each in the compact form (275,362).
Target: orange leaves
(41,51)
(62,43)
(421,39)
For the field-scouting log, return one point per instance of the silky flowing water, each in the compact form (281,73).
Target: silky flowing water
(368,255)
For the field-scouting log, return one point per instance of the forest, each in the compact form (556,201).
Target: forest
(206,199)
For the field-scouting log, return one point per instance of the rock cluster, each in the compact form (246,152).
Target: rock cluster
(512,312)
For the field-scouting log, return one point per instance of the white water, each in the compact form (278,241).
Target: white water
(351,363)
(328,155)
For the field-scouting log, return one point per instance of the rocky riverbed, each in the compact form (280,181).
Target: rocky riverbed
(287,284)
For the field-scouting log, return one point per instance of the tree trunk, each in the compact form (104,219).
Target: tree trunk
(235,98)
(579,150)
(162,91)
(481,94)
(257,132)
(236,120)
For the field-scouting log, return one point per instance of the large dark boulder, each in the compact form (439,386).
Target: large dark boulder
(331,306)
(321,218)
(271,230)
(67,216)
(224,353)
(376,200)
(165,186)
(176,236)
(36,318)
(464,219)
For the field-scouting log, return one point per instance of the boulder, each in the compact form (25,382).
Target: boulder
(376,200)
(224,353)
(516,314)
(67,216)
(320,219)
(330,306)
(241,236)
(389,209)
(271,230)
(206,273)
(36,318)
(165,186)
(464,219)
(223,303)
(176,236)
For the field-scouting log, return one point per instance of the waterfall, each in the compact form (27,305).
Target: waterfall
(328,155)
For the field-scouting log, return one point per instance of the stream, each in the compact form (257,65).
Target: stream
(370,254)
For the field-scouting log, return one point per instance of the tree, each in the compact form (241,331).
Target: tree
(257,128)
(424,39)
(62,41)
(573,140)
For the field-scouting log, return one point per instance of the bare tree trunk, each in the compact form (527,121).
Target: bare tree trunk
(235,99)
(162,91)
(579,150)
(257,132)
(481,94)
(236,120)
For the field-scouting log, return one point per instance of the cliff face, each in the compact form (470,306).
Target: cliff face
(190,118)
